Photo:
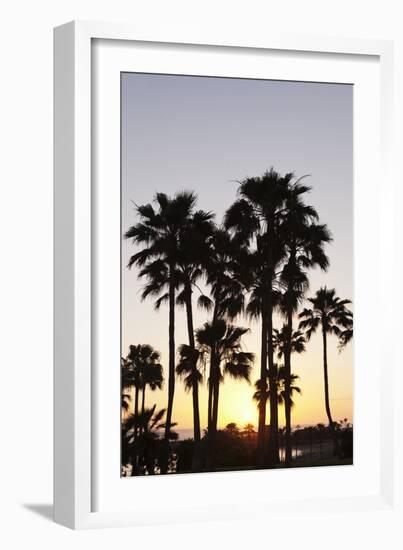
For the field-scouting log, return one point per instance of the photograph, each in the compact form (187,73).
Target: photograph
(236,274)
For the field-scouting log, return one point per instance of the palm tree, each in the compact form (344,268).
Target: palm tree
(152,376)
(263,391)
(188,370)
(304,240)
(248,430)
(280,387)
(282,345)
(225,267)
(222,341)
(142,368)
(279,341)
(144,450)
(282,391)
(331,314)
(127,382)
(256,216)
(232,429)
(159,233)
(193,253)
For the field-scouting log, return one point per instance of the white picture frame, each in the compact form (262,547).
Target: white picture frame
(77,472)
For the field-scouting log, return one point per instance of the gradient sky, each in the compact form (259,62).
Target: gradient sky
(202,134)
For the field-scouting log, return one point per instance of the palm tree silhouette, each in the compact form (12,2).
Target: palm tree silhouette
(283,391)
(159,233)
(222,341)
(142,369)
(257,216)
(304,241)
(152,376)
(127,382)
(225,267)
(248,431)
(279,341)
(280,387)
(233,429)
(187,369)
(329,313)
(194,250)
(143,448)
(283,345)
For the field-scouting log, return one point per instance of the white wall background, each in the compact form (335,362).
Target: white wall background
(26,260)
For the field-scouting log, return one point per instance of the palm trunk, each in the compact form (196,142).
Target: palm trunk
(196,462)
(143,396)
(267,311)
(287,387)
(171,367)
(135,458)
(136,405)
(287,351)
(143,399)
(214,412)
(262,402)
(326,382)
(274,457)
(212,399)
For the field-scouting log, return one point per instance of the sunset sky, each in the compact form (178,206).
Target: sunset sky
(203,134)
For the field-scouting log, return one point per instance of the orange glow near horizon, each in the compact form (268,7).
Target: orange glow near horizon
(235,401)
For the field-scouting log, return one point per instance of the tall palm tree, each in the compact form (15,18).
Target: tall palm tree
(304,241)
(330,314)
(193,253)
(159,233)
(256,217)
(223,341)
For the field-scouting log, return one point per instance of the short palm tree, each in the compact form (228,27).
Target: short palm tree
(280,385)
(127,382)
(225,267)
(152,377)
(232,429)
(144,450)
(298,341)
(145,369)
(248,430)
(285,346)
(330,314)
(222,341)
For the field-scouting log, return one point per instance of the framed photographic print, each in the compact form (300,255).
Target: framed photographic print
(220,232)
